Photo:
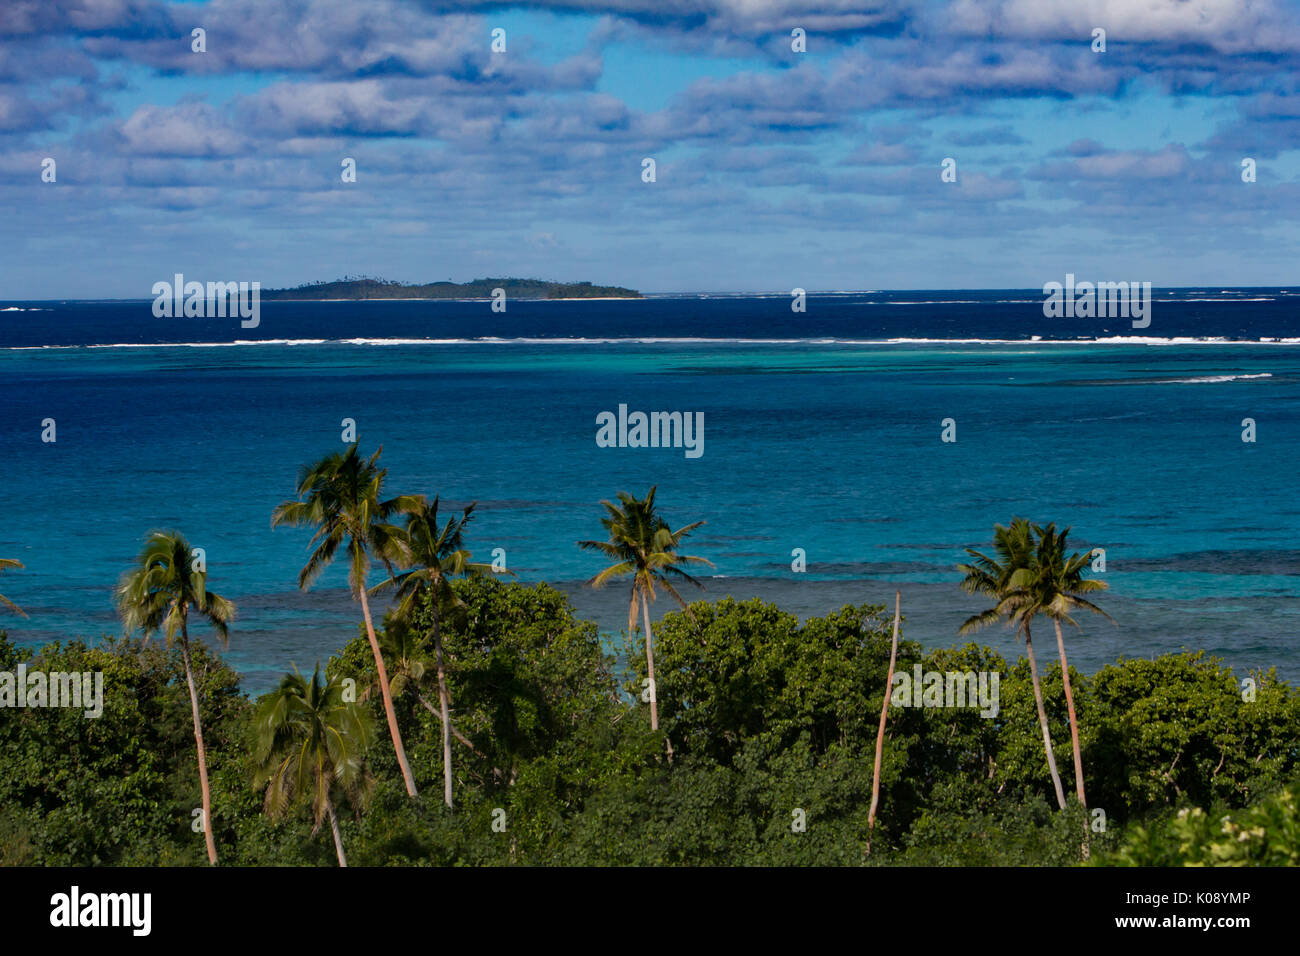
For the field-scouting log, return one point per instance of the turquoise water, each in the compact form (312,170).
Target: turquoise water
(832,447)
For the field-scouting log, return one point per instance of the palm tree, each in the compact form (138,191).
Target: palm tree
(311,741)
(642,544)
(1056,590)
(1005,580)
(435,555)
(158,595)
(5,564)
(340,496)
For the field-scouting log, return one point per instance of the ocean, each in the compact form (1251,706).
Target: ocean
(822,432)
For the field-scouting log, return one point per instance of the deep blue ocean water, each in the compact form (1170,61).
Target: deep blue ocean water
(822,432)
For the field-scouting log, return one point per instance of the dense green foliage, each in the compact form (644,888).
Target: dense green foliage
(368,288)
(1266,834)
(767,715)
(120,788)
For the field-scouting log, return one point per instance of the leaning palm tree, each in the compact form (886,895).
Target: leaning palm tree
(435,555)
(340,496)
(311,741)
(1005,579)
(642,544)
(5,564)
(157,595)
(884,716)
(1057,589)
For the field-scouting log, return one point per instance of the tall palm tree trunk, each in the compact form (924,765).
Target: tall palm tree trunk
(198,739)
(388,697)
(884,715)
(650,666)
(1042,719)
(1074,726)
(334,828)
(444,700)
(1074,733)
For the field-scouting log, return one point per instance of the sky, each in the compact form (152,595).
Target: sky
(774,168)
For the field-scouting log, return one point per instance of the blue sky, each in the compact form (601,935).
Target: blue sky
(775,169)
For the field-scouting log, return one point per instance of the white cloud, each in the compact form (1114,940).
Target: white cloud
(1228,26)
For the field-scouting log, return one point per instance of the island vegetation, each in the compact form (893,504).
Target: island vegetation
(514,735)
(368,287)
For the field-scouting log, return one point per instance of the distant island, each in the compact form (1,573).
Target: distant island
(371,288)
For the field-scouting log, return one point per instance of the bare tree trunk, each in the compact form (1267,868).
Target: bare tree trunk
(445,702)
(424,702)
(1042,719)
(388,697)
(198,739)
(1074,732)
(650,664)
(1074,726)
(334,828)
(884,714)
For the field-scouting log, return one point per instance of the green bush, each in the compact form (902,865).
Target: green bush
(773,726)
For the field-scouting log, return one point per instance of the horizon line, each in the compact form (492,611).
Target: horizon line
(679,294)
